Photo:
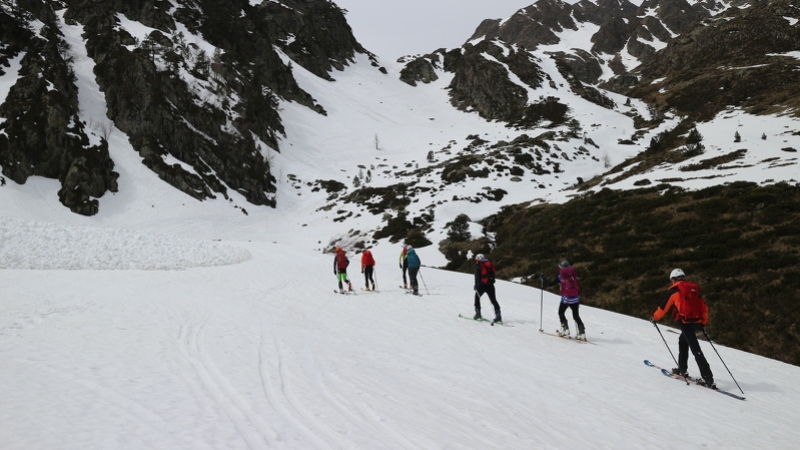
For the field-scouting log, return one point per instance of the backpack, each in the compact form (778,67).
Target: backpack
(487,272)
(569,282)
(367,258)
(692,307)
(341,261)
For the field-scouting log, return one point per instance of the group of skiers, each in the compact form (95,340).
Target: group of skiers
(683,299)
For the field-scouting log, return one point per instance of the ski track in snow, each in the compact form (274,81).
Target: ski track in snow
(164,322)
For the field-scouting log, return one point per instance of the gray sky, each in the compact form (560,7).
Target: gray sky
(393,28)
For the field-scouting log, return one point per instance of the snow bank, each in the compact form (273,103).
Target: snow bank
(48,246)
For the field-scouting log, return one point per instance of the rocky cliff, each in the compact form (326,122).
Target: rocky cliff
(213,108)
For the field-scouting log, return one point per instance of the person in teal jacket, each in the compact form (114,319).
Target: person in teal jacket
(413,268)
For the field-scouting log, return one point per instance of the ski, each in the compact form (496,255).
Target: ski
(345,292)
(691,380)
(566,337)
(412,293)
(369,290)
(486,320)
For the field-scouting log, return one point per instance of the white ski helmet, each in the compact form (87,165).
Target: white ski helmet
(677,273)
(563,264)
(479,257)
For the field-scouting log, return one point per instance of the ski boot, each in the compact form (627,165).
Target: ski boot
(564,331)
(680,372)
(373,286)
(497,319)
(707,382)
(350,286)
(581,336)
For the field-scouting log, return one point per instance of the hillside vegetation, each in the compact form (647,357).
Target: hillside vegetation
(739,242)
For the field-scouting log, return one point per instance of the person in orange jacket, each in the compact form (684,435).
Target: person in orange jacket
(692,315)
(367,268)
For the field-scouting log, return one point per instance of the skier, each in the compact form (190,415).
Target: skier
(403,263)
(484,282)
(570,298)
(340,263)
(367,268)
(413,262)
(692,313)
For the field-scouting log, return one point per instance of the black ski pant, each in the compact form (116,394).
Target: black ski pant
(368,276)
(405,269)
(489,290)
(575,315)
(686,341)
(412,275)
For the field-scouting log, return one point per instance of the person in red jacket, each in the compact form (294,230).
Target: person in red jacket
(340,263)
(368,268)
(691,319)
(484,282)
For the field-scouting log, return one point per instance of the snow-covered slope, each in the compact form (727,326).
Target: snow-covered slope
(105,343)
(262,354)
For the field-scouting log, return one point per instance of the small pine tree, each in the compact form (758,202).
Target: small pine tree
(459,229)
(430,156)
(737,137)
(356,181)
(764,136)
(694,137)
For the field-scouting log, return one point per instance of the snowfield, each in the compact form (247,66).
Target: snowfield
(167,323)
(263,354)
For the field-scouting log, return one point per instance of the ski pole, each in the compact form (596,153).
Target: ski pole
(665,343)
(375,274)
(423,282)
(720,358)
(541,306)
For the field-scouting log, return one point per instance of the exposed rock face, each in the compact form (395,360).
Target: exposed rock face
(731,59)
(421,69)
(531,26)
(482,83)
(42,134)
(622,25)
(215,114)
(314,34)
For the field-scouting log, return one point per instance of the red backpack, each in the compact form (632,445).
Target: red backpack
(487,272)
(692,307)
(569,282)
(367,259)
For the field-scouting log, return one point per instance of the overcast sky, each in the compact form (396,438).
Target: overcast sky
(393,28)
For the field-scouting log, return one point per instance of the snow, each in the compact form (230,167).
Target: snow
(165,322)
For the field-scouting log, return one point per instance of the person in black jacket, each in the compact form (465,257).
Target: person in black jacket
(484,282)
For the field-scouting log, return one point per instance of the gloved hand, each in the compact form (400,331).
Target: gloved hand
(400,265)
(653,320)
(543,278)
(362,270)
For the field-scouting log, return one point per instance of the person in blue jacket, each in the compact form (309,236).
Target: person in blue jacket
(413,268)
